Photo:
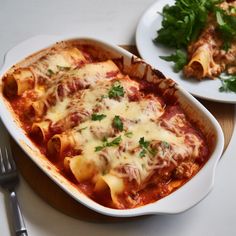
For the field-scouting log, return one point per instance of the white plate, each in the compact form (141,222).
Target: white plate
(148,25)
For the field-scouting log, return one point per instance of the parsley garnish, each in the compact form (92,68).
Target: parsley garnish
(63,68)
(50,73)
(145,148)
(183,22)
(114,142)
(99,148)
(117,123)
(128,134)
(228,84)
(226,46)
(116,91)
(179,58)
(226,25)
(143,143)
(98,116)
(142,153)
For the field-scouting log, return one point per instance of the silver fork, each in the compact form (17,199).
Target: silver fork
(8,180)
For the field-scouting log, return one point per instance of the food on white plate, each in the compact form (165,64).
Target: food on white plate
(204,36)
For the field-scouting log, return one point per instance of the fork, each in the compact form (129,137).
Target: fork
(9,179)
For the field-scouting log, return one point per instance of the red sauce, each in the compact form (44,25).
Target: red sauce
(112,74)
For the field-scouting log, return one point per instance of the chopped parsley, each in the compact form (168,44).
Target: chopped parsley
(226,46)
(228,84)
(226,21)
(98,116)
(179,58)
(128,134)
(183,22)
(117,123)
(114,142)
(99,148)
(226,25)
(50,73)
(63,68)
(143,143)
(142,153)
(116,90)
(145,148)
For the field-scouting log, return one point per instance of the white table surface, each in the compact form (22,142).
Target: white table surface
(114,21)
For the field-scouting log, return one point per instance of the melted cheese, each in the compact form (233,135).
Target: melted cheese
(139,118)
(92,72)
(58,111)
(88,74)
(57,61)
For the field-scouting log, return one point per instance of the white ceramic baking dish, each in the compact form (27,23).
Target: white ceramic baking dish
(182,199)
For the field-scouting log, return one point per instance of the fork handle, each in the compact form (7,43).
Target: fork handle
(18,221)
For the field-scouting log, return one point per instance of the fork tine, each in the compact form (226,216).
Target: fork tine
(3,170)
(9,159)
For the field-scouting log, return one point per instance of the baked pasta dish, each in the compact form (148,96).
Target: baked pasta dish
(116,137)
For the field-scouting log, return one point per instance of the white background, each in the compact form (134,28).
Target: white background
(114,21)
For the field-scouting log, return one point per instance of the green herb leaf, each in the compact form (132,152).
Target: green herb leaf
(179,58)
(63,68)
(226,25)
(98,116)
(128,134)
(114,142)
(228,84)
(145,148)
(142,153)
(226,46)
(183,22)
(117,123)
(50,73)
(143,143)
(116,91)
(153,152)
(99,148)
